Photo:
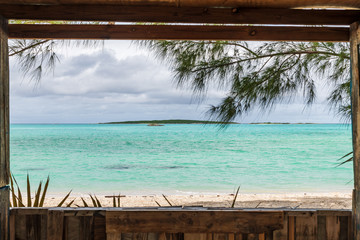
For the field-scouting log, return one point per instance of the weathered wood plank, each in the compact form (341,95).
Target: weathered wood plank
(55,226)
(163,14)
(72,228)
(29,211)
(201,3)
(193,221)
(220,236)
(252,236)
(86,228)
(345,224)
(4,104)
(99,227)
(33,227)
(178,32)
(20,227)
(321,228)
(113,236)
(305,228)
(355,100)
(43,225)
(282,234)
(195,236)
(4,212)
(291,227)
(332,228)
(12,226)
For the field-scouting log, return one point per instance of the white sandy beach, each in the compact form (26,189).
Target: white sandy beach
(291,200)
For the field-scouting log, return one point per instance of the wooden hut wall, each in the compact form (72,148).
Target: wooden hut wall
(94,224)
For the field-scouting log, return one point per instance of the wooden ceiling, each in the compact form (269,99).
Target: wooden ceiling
(193,19)
(200,3)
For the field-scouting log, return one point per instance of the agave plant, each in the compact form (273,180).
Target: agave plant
(39,197)
(96,203)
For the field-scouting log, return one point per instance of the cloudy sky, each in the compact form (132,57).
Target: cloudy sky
(120,82)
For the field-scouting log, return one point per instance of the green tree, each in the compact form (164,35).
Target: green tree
(258,75)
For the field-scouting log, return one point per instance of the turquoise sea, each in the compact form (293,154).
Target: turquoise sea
(182,159)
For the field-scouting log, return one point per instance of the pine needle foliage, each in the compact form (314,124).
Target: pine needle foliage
(257,75)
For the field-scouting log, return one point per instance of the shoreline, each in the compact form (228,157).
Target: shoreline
(334,200)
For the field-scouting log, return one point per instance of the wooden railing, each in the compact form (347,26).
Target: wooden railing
(176,223)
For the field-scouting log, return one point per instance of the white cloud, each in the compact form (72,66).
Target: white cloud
(124,83)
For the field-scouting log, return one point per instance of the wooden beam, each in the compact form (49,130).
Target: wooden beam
(355,99)
(179,15)
(193,221)
(4,212)
(202,3)
(4,104)
(178,32)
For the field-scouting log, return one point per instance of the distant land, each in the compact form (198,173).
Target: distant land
(278,123)
(170,121)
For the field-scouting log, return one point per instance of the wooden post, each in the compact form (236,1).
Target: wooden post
(4,130)
(355,100)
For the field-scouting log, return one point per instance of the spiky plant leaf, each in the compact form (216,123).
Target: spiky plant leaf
(85,203)
(41,204)
(12,187)
(97,201)
(167,200)
(28,191)
(37,195)
(19,196)
(70,203)
(234,200)
(64,199)
(93,201)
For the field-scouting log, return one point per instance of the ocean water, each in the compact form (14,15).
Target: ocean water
(182,159)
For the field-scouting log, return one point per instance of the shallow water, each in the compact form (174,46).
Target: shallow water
(180,159)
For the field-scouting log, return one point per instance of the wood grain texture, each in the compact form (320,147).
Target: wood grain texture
(355,92)
(55,228)
(193,221)
(12,224)
(305,228)
(201,3)
(160,14)
(4,104)
(291,228)
(33,228)
(20,227)
(332,228)
(195,236)
(321,228)
(178,32)
(4,212)
(99,227)
(345,230)
(282,234)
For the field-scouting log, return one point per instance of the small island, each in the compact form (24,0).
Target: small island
(279,123)
(170,121)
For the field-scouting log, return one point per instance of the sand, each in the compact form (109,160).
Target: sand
(291,200)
